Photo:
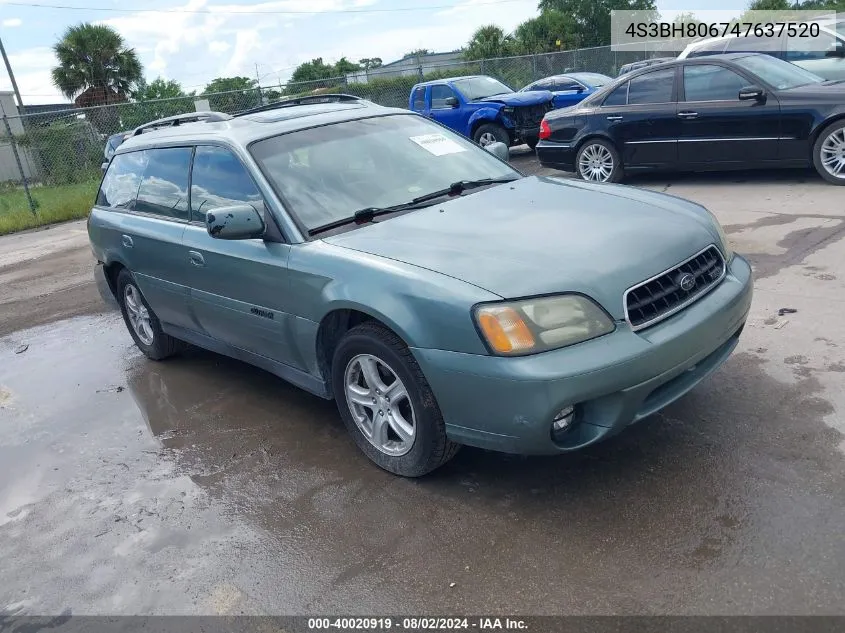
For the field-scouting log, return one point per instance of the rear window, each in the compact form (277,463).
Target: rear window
(122,180)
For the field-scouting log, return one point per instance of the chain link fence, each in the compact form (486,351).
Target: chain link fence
(66,147)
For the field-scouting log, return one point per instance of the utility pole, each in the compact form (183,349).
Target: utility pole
(18,160)
(12,78)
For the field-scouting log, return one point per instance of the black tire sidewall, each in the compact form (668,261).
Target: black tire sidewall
(618,171)
(157,349)
(817,153)
(495,129)
(429,432)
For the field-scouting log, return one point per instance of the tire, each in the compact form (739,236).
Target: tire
(429,448)
(602,151)
(489,132)
(831,145)
(151,340)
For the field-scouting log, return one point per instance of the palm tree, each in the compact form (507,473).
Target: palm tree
(95,67)
(488,42)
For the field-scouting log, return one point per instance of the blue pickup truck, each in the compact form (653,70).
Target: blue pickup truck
(483,109)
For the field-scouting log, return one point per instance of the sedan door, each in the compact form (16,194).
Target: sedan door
(446,111)
(719,129)
(238,288)
(640,116)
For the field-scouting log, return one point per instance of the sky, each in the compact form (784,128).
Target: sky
(198,40)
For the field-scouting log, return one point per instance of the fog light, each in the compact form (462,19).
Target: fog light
(563,419)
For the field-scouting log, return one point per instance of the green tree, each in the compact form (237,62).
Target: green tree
(95,66)
(370,62)
(313,70)
(417,53)
(232,94)
(488,42)
(344,66)
(155,100)
(542,34)
(771,5)
(592,17)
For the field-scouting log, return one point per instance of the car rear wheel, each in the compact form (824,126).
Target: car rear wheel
(141,321)
(598,161)
(491,133)
(387,404)
(829,153)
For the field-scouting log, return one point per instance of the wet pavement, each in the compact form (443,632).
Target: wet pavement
(203,485)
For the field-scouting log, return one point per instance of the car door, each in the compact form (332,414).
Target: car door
(716,126)
(150,188)
(452,116)
(238,288)
(640,117)
(567,92)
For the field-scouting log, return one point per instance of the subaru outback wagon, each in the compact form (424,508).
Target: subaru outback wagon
(374,257)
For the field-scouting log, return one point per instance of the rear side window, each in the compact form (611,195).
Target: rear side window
(122,180)
(618,97)
(566,84)
(164,188)
(419,99)
(652,87)
(219,179)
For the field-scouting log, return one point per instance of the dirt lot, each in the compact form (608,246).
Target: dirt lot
(201,485)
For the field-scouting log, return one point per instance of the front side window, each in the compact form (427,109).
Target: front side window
(476,88)
(439,94)
(712,83)
(219,179)
(652,87)
(164,188)
(123,177)
(564,83)
(776,72)
(327,173)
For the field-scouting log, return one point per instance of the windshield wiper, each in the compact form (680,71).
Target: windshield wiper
(363,216)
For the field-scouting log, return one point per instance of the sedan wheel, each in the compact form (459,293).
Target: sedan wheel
(596,163)
(832,153)
(379,404)
(138,315)
(141,320)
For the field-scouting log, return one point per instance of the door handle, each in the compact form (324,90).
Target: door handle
(687,115)
(127,241)
(614,118)
(196,258)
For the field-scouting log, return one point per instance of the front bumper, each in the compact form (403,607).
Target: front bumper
(508,404)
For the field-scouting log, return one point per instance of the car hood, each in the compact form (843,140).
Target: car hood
(542,235)
(527,98)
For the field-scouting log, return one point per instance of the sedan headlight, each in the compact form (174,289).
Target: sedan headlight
(514,328)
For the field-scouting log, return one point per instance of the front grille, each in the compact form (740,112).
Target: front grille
(527,116)
(673,290)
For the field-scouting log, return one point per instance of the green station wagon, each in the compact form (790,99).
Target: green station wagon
(372,256)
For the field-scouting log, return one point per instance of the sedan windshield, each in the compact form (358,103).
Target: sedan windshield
(778,73)
(474,88)
(592,79)
(326,174)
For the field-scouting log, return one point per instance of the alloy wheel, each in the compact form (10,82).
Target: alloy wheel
(139,316)
(596,163)
(380,405)
(486,138)
(833,153)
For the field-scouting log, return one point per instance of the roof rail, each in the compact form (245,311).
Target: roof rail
(306,100)
(189,117)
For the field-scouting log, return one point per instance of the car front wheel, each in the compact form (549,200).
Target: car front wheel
(491,133)
(598,161)
(387,404)
(141,321)
(829,153)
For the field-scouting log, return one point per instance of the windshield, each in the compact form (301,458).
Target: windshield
(474,88)
(780,74)
(327,173)
(592,79)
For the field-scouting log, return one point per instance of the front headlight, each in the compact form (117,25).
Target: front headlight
(514,328)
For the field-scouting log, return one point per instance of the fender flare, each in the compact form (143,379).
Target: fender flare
(488,114)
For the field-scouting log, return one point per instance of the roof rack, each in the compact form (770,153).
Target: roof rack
(178,119)
(306,100)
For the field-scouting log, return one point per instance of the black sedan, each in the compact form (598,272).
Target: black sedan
(732,111)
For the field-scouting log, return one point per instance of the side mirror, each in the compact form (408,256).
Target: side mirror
(499,150)
(752,93)
(239,222)
(452,102)
(836,50)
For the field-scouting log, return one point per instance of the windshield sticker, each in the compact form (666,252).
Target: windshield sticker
(438,144)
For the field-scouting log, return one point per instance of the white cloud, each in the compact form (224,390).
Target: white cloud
(218,46)
(12,22)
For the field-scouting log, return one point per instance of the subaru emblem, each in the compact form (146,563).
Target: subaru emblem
(686,282)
